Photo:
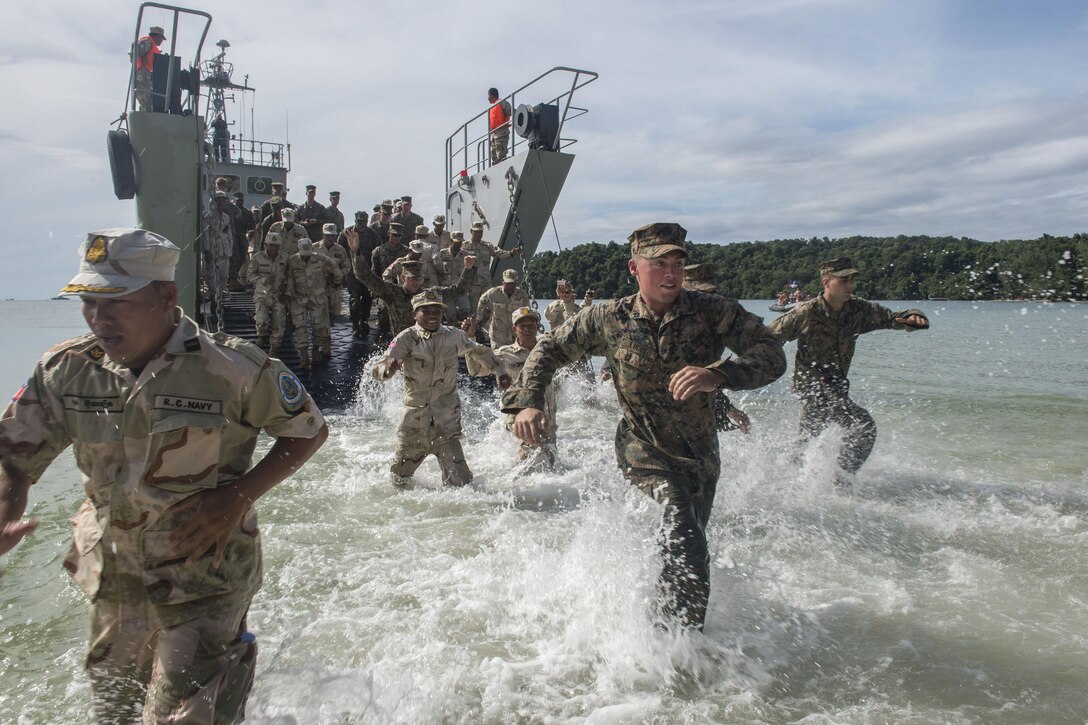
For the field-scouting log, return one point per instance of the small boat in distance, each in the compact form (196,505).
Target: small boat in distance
(777,307)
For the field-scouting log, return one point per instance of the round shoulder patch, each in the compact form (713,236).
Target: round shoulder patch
(290,388)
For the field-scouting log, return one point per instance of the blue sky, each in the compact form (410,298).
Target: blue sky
(742,120)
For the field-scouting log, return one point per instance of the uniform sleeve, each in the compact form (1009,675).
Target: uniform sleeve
(788,326)
(32,428)
(760,360)
(366,276)
(879,317)
(461,287)
(334,269)
(577,337)
(551,314)
(398,350)
(279,404)
(483,309)
(500,253)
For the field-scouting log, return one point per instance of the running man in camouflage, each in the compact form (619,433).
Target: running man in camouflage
(826,330)
(664,346)
(164,418)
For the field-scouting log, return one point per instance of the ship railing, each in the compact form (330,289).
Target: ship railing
(163,99)
(259,153)
(468,149)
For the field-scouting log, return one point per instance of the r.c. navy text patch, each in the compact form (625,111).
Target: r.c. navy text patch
(191,405)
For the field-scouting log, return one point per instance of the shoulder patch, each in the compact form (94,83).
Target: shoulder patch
(290,388)
(74,346)
(192,344)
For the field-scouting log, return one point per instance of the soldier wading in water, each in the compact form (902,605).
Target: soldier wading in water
(664,345)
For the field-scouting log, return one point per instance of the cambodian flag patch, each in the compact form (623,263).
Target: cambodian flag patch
(290,388)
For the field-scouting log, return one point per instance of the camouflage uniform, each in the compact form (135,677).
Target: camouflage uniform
(359,298)
(269,277)
(311,210)
(217,246)
(484,253)
(382,230)
(430,274)
(510,359)
(335,216)
(289,235)
(307,285)
(440,241)
(494,310)
(384,255)
(449,265)
(190,422)
(335,292)
(559,312)
(825,347)
(408,222)
(667,448)
(398,301)
(431,423)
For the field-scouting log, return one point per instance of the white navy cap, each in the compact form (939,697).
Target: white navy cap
(117,262)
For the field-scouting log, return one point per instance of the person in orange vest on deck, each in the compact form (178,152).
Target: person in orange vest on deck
(498,121)
(147,47)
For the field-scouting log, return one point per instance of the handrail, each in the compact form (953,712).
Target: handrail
(453,153)
(130,96)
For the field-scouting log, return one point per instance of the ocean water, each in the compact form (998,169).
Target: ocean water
(947,585)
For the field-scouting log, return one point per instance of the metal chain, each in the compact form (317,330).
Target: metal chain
(517,234)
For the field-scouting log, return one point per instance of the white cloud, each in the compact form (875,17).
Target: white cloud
(750,119)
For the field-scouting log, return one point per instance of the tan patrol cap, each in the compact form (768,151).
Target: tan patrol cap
(416,245)
(157,30)
(477,226)
(658,239)
(329,228)
(422,230)
(509,275)
(287,213)
(523,312)
(305,247)
(427,298)
(457,236)
(439,219)
(273,240)
(117,262)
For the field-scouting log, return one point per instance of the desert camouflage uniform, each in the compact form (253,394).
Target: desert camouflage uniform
(825,348)
(359,298)
(449,266)
(667,448)
(269,277)
(217,247)
(289,237)
(494,310)
(484,252)
(431,423)
(307,285)
(510,359)
(188,423)
(335,291)
(559,312)
(440,241)
(398,301)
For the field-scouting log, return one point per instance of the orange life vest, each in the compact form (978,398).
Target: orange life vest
(499,116)
(147,61)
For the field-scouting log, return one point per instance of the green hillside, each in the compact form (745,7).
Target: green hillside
(892,268)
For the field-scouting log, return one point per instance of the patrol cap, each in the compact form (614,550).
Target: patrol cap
(273,239)
(334,194)
(156,30)
(416,245)
(427,298)
(305,247)
(406,200)
(387,201)
(377,208)
(220,195)
(523,312)
(255,209)
(477,226)
(361,216)
(277,185)
(700,277)
(457,236)
(287,213)
(839,267)
(411,268)
(422,230)
(117,262)
(564,285)
(510,275)
(395,228)
(311,187)
(239,195)
(387,208)
(658,239)
(329,229)
(439,219)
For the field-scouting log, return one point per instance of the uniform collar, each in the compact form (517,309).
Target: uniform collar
(186,337)
(684,305)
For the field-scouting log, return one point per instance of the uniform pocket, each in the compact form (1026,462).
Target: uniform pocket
(184,454)
(633,357)
(84,558)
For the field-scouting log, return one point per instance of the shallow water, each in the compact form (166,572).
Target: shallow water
(947,585)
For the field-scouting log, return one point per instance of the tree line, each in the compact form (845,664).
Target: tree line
(892,268)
